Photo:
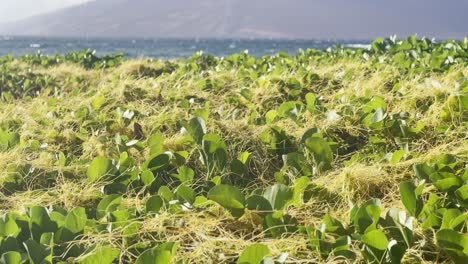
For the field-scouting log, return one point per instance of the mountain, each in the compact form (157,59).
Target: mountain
(250,19)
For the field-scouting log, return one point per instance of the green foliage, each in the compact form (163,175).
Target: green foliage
(284,143)
(100,167)
(254,254)
(162,254)
(229,197)
(321,151)
(196,127)
(11,257)
(454,243)
(8,140)
(154,204)
(104,255)
(411,197)
(278,195)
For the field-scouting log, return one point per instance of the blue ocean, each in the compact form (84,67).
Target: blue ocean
(164,48)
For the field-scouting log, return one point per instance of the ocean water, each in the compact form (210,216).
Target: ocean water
(164,48)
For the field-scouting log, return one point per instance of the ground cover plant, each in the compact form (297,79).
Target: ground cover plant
(336,156)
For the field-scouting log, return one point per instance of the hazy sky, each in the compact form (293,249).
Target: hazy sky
(245,18)
(11,10)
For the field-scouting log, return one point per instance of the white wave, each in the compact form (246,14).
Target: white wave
(359,46)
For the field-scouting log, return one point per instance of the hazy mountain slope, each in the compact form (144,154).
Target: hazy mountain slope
(251,18)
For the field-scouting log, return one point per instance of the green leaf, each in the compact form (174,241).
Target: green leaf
(214,151)
(374,104)
(169,246)
(290,109)
(204,112)
(253,254)
(98,102)
(378,45)
(378,116)
(185,175)
(239,168)
(108,204)
(300,186)
(399,226)
(366,217)
(166,193)
(446,159)
(240,165)
(375,239)
(47,239)
(298,162)
(397,156)
(161,254)
(147,178)
(410,199)
(38,254)
(321,151)
(11,257)
(397,252)
(156,162)
(311,101)
(278,140)
(75,221)
(278,195)
(8,140)
(454,243)
(423,171)
(229,197)
(39,222)
(8,226)
(405,45)
(258,203)
(196,127)
(118,219)
(185,193)
(271,116)
(449,216)
(333,225)
(244,157)
(100,167)
(154,204)
(279,224)
(9,244)
(341,248)
(462,196)
(156,144)
(103,255)
(448,184)
(154,256)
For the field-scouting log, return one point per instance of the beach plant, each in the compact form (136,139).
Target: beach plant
(343,155)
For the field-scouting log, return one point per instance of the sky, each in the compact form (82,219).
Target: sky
(11,10)
(246,18)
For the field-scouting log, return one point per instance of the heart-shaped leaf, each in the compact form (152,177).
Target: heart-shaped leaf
(229,197)
(253,254)
(100,167)
(75,221)
(375,239)
(11,257)
(411,200)
(278,195)
(105,255)
(154,204)
(321,151)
